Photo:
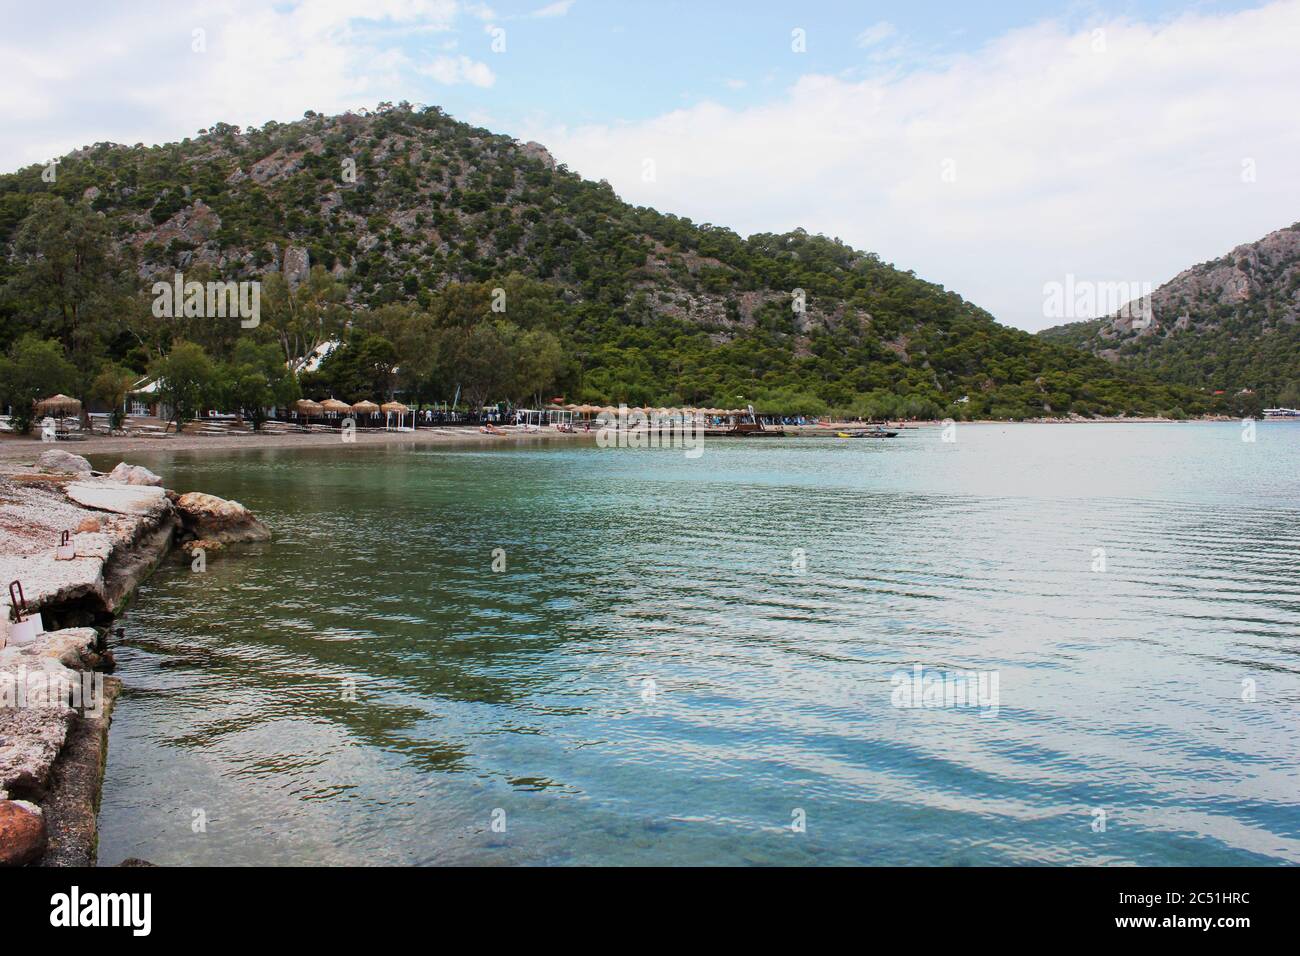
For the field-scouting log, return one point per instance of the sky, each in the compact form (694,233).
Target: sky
(998,151)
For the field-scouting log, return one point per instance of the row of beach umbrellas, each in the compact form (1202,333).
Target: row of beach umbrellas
(309,409)
(66,405)
(613,410)
(332,406)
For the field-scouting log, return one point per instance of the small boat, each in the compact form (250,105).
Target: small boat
(745,429)
(867,433)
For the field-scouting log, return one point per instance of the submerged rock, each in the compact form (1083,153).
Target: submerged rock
(56,459)
(216,519)
(22,833)
(205,545)
(134,475)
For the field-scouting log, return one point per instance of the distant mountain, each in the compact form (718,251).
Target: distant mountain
(406,209)
(1230,324)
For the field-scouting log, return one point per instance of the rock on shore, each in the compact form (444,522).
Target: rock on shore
(58,460)
(22,833)
(134,533)
(120,498)
(216,519)
(31,736)
(120,526)
(134,475)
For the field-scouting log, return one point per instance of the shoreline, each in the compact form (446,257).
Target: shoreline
(16,449)
(25,449)
(56,695)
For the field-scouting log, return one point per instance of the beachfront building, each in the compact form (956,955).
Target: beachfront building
(311,362)
(143,401)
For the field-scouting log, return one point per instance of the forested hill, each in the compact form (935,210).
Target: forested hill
(1229,324)
(392,229)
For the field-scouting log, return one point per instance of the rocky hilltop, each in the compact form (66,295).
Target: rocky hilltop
(1229,324)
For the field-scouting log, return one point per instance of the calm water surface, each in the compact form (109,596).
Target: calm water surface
(651,680)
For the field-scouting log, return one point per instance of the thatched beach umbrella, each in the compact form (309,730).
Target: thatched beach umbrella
(61,405)
(334,405)
(365,407)
(307,408)
(393,408)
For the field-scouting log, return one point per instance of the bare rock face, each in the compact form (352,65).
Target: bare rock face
(196,224)
(216,519)
(22,833)
(118,498)
(276,166)
(134,475)
(297,266)
(56,459)
(539,152)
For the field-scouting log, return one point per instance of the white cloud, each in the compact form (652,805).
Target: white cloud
(876,33)
(558,9)
(735,84)
(102,69)
(451,70)
(1123,165)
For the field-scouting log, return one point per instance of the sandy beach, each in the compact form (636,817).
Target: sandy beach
(26,449)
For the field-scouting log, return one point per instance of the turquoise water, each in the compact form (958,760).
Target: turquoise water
(652,678)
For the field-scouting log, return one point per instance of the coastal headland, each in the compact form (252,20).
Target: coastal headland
(74,544)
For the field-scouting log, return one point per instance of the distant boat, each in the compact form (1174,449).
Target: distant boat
(745,429)
(867,433)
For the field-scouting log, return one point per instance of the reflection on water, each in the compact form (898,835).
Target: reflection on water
(652,680)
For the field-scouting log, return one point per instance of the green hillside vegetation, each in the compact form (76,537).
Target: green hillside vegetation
(1230,325)
(455,259)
